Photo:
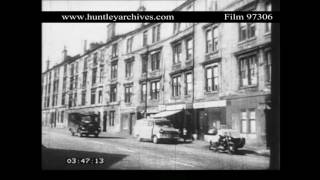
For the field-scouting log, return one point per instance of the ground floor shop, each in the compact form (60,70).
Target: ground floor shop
(55,118)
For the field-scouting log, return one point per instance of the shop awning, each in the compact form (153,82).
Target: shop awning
(166,113)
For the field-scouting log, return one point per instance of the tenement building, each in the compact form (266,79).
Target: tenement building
(198,75)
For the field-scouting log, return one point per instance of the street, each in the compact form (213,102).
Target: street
(126,153)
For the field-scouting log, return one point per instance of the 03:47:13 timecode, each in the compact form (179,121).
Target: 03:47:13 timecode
(75,160)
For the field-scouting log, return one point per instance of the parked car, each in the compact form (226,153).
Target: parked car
(155,130)
(225,140)
(83,124)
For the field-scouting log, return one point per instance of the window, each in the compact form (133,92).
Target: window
(268,8)
(113,93)
(129,68)
(144,64)
(189,47)
(252,120)
(101,73)
(83,98)
(77,67)
(188,81)
(70,100)
(212,40)
(177,53)
(76,82)
(244,124)
(247,31)
(94,76)
(156,33)
(85,64)
(100,97)
(268,66)
(84,80)
(155,90)
(143,92)
(95,59)
(145,38)
(127,94)
(155,61)
(114,50)
(75,99)
(209,40)
(93,96)
(71,83)
(62,116)
(176,28)
(111,118)
(129,45)
(65,70)
(114,70)
(63,101)
(248,121)
(212,78)
(248,71)
(176,86)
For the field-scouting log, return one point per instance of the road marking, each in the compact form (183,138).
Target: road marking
(122,149)
(184,164)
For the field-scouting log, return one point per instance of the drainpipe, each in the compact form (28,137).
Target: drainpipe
(193,72)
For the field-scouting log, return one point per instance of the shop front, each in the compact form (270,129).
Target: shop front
(208,115)
(128,119)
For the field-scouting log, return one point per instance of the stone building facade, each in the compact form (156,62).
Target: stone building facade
(198,75)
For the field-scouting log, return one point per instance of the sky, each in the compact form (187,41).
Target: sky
(57,35)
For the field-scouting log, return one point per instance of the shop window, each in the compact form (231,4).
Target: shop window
(244,121)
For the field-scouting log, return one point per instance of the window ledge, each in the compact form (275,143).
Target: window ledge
(211,92)
(247,40)
(249,87)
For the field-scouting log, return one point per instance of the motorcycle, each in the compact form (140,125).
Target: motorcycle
(226,143)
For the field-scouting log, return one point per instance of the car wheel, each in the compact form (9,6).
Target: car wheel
(81,134)
(96,135)
(155,140)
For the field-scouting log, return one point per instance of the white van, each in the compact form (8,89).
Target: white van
(155,129)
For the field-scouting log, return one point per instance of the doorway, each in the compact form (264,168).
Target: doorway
(131,123)
(203,123)
(104,124)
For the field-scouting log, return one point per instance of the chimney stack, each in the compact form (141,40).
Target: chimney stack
(84,46)
(64,53)
(48,64)
(111,27)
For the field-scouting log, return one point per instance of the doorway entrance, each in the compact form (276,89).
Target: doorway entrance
(104,123)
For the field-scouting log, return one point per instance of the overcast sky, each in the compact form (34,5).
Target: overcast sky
(57,35)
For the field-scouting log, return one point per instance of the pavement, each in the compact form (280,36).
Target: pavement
(125,152)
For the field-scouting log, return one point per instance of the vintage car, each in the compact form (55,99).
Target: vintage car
(225,140)
(83,124)
(155,129)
